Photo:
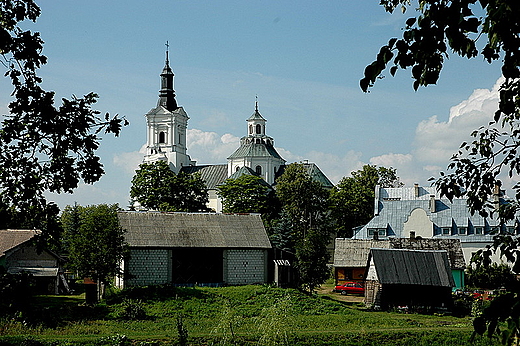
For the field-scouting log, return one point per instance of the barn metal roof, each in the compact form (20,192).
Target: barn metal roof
(355,252)
(412,267)
(154,229)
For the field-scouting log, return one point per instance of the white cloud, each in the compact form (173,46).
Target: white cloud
(129,162)
(209,147)
(436,141)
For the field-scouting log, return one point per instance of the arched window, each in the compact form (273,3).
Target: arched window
(251,129)
(237,168)
(258,129)
(258,170)
(162,137)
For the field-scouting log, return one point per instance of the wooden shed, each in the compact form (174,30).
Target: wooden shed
(194,248)
(18,253)
(412,279)
(351,255)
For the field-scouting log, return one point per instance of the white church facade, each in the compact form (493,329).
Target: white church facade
(167,125)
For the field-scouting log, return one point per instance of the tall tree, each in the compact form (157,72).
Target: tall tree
(43,147)
(437,28)
(156,186)
(352,199)
(93,240)
(247,194)
(305,203)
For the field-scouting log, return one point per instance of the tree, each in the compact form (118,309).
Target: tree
(42,147)
(305,203)
(156,186)
(490,277)
(352,199)
(440,26)
(247,194)
(93,240)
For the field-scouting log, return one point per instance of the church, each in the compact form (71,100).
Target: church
(167,125)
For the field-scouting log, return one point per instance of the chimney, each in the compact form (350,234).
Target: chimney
(376,200)
(416,189)
(432,203)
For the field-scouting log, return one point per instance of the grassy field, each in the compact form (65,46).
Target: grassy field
(248,315)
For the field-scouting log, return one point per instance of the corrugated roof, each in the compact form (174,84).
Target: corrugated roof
(11,238)
(355,252)
(412,267)
(149,229)
(213,175)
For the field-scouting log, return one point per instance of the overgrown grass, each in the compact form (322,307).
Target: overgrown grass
(247,315)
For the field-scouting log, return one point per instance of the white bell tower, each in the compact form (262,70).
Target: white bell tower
(167,125)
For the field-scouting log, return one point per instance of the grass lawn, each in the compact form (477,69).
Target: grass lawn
(246,315)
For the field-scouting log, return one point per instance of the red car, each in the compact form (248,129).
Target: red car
(350,287)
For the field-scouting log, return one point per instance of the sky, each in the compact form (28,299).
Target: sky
(302,59)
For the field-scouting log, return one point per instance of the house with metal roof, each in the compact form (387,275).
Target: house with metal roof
(166,140)
(194,248)
(421,213)
(19,253)
(351,255)
(412,279)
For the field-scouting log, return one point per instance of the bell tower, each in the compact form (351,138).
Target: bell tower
(167,124)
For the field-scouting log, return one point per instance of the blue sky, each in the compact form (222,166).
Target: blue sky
(303,59)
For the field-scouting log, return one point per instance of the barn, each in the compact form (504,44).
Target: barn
(412,279)
(194,248)
(18,253)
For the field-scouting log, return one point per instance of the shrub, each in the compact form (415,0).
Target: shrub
(132,309)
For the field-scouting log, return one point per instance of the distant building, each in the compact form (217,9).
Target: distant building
(166,140)
(419,212)
(351,255)
(19,253)
(410,279)
(194,248)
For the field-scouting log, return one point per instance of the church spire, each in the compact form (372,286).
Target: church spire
(167,94)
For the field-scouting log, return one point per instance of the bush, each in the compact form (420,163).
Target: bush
(132,309)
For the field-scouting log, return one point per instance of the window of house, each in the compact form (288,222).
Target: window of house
(380,231)
(510,229)
(446,231)
(258,129)
(162,137)
(258,170)
(463,230)
(479,230)
(494,229)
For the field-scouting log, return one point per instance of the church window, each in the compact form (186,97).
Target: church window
(479,230)
(251,129)
(258,129)
(162,137)
(237,168)
(258,170)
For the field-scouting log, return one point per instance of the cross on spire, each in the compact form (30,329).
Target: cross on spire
(167,51)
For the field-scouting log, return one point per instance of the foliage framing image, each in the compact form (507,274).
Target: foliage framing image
(469,28)
(43,147)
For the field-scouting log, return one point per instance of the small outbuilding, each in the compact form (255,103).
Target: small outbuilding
(412,279)
(194,248)
(19,253)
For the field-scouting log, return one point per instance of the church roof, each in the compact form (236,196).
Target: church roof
(256,116)
(247,171)
(315,172)
(196,230)
(213,175)
(255,150)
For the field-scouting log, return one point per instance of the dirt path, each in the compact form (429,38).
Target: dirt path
(326,290)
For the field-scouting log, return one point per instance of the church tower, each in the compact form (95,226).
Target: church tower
(167,125)
(256,151)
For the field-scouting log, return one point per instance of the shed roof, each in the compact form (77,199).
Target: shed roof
(153,229)
(11,238)
(412,267)
(355,252)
